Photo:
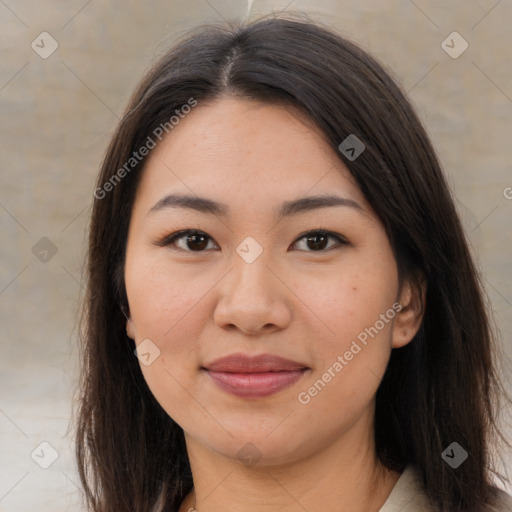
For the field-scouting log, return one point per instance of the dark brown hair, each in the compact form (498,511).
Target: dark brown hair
(441,387)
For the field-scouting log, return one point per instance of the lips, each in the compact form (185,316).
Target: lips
(254,377)
(240,363)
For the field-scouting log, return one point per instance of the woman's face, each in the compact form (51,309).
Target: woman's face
(257,283)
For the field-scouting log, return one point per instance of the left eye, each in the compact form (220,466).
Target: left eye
(197,241)
(318,240)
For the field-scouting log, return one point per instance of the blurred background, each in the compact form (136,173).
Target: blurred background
(66,71)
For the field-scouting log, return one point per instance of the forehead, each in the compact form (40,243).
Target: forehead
(245,153)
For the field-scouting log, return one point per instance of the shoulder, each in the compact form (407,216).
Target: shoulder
(409,494)
(503,501)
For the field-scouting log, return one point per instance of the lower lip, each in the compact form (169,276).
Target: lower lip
(255,385)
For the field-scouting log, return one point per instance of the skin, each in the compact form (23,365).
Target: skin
(293,301)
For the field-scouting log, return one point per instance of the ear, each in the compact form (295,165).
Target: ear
(412,299)
(130,329)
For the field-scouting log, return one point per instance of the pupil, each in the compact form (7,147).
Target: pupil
(195,239)
(315,243)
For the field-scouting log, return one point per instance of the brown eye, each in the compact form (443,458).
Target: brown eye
(187,240)
(196,242)
(317,241)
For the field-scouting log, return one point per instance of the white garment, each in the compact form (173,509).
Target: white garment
(408,496)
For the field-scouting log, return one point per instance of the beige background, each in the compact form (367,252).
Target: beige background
(57,114)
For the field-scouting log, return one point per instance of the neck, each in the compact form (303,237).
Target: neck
(344,476)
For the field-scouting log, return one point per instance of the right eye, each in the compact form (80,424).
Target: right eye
(192,240)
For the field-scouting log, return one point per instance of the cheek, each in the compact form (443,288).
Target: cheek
(162,303)
(346,299)
(167,310)
(348,306)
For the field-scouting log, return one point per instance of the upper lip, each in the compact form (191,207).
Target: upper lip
(241,363)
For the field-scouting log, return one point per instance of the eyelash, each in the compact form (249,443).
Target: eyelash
(173,237)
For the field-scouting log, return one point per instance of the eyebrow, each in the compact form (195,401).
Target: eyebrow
(288,208)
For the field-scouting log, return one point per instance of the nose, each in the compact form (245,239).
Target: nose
(253,299)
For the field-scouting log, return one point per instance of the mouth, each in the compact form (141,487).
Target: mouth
(255,384)
(254,377)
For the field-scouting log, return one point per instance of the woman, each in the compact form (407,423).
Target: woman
(282,311)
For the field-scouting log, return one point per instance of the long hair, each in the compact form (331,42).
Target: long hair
(440,388)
